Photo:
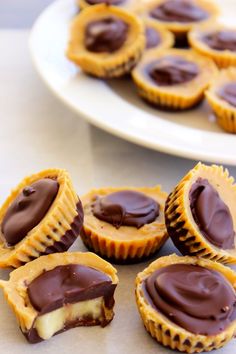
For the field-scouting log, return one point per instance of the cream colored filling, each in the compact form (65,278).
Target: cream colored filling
(50,323)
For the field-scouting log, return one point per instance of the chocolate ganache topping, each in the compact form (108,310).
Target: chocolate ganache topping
(152,37)
(228,93)
(179,11)
(211,214)
(108,2)
(197,299)
(28,209)
(106,35)
(221,40)
(172,70)
(68,284)
(126,207)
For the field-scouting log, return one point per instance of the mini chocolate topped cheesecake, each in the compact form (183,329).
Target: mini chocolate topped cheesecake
(201,214)
(179,16)
(124,224)
(188,303)
(173,79)
(130,5)
(42,215)
(106,41)
(61,291)
(217,42)
(156,36)
(222,98)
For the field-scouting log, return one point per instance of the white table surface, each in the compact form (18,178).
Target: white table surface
(36,132)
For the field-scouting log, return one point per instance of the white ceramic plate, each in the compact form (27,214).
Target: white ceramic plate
(115,107)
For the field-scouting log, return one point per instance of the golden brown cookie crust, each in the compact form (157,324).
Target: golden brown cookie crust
(223,58)
(176,97)
(52,227)
(179,28)
(179,220)
(15,290)
(127,242)
(224,111)
(167,332)
(106,65)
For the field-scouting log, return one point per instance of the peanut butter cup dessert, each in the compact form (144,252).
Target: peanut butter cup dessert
(42,215)
(156,36)
(124,224)
(106,41)
(188,303)
(201,214)
(217,42)
(179,16)
(174,79)
(130,5)
(61,291)
(222,98)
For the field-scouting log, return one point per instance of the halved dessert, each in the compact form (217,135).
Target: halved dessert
(188,303)
(42,215)
(217,42)
(156,36)
(222,98)
(106,41)
(201,214)
(61,291)
(124,224)
(173,78)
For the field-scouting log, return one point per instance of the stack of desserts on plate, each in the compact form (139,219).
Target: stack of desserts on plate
(113,38)
(187,303)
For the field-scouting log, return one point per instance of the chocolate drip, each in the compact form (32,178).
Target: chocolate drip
(172,70)
(106,35)
(28,209)
(126,207)
(152,37)
(68,284)
(108,2)
(228,93)
(211,214)
(197,299)
(221,40)
(179,11)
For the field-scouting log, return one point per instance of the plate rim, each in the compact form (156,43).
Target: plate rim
(168,149)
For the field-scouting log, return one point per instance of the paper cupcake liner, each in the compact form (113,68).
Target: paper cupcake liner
(121,251)
(56,231)
(184,232)
(168,333)
(114,64)
(15,290)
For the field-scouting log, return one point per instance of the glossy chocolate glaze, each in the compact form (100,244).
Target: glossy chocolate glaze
(153,38)
(68,284)
(211,214)
(221,40)
(106,35)
(179,11)
(108,2)
(228,93)
(126,207)
(171,70)
(197,299)
(28,209)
